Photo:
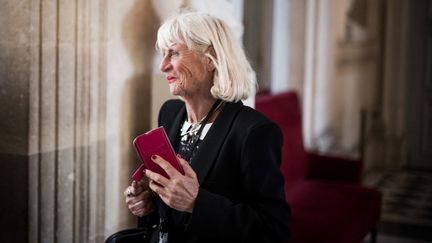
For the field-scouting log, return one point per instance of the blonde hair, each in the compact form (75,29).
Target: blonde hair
(234,79)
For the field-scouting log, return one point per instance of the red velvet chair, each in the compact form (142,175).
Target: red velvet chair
(327,200)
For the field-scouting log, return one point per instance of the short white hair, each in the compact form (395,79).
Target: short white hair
(234,79)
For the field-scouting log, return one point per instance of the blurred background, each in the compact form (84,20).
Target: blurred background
(79,80)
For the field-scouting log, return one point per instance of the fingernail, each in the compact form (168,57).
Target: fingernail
(179,156)
(153,157)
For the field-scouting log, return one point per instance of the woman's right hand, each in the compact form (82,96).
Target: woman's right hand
(139,200)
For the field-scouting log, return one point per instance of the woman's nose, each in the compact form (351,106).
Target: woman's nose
(165,64)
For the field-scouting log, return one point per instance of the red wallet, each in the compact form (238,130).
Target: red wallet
(154,142)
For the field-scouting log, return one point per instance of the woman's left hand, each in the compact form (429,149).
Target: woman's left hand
(179,191)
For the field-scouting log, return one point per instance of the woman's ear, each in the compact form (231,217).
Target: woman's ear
(210,56)
(210,65)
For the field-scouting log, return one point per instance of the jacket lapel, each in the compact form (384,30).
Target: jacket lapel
(174,129)
(210,146)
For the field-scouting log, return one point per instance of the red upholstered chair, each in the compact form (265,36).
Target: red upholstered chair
(327,200)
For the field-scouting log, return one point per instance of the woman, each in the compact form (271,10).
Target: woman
(232,189)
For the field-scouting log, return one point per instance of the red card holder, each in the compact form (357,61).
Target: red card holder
(154,142)
(139,173)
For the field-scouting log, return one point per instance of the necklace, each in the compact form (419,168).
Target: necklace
(190,137)
(195,127)
(191,131)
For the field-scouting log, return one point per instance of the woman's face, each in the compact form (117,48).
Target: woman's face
(187,72)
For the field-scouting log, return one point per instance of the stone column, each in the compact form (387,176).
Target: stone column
(72,79)
(15,44)
(67,88)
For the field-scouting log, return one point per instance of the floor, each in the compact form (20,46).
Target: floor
(395,239)
(407,206)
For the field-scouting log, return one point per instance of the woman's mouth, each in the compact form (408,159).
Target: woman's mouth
(171,79)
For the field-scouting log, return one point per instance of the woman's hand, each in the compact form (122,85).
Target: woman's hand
(139,198)
(179,191)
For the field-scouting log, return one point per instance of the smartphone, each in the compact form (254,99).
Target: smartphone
(154,142)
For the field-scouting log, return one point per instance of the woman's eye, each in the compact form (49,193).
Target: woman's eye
(174,53)
(171,53)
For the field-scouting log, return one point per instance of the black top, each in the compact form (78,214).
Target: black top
(241,196)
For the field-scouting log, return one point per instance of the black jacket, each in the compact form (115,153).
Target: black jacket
(241,196)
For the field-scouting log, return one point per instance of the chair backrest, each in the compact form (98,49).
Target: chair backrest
(284,110)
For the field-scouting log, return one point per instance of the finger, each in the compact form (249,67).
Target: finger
(160,179)
(138,213)
(165,165)
(140,204)
(128,192)
(138,189)
(134,183)
(149,206)
(145,199)
(157,188)
(136,206)
(144,211)
(131,191)
(144,181)
(189,172)
(144,195)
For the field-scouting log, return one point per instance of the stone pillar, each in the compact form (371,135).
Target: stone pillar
(74,91)
(67,88)
(14,123)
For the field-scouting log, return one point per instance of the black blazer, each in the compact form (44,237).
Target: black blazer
(241,196)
